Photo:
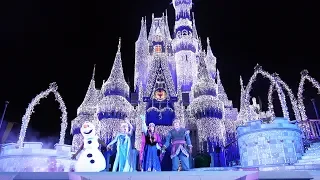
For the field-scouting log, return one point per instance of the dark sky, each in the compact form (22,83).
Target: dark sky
(59,41)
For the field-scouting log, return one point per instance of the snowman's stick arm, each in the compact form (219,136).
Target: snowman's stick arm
(79,150)
(102,143)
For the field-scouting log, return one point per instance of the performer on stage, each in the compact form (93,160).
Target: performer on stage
(123,160)
(180,140)
(150,151)
(91,159)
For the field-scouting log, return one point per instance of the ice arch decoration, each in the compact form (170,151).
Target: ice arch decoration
(274,81)
(293,99)
(305,76)
(53,88)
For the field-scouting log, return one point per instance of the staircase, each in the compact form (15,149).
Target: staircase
(312,155)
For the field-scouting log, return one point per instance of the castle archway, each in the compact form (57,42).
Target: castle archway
(274,80)
(293,100)
(305,76)
(53,88)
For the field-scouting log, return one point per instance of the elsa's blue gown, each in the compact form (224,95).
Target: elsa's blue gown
(123,161)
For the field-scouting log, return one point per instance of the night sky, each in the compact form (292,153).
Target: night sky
(60,41)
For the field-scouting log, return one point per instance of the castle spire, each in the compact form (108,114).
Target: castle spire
(166,26)
(222,93)
(116,83)
(194,27)
(93,72)
(143,31)
(211,60)
(91,98)
(204,85)
(119,46)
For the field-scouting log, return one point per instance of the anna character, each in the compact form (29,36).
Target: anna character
(150,152)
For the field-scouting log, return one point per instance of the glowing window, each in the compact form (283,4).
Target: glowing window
(158,48)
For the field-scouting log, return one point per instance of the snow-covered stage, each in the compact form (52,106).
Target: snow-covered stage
(190,175)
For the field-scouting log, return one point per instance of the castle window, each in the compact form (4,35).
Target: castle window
(157,48)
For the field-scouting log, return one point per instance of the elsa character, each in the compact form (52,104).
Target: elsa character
(123,160)
(150,148)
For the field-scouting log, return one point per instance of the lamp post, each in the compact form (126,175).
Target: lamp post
(4,112)
(317,115)
(315,107)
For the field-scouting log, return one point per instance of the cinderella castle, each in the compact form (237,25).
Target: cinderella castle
(175,78)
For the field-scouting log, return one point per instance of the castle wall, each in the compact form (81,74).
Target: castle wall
(266,144)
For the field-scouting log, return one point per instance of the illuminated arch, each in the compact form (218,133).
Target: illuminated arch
(26,118)
(305,76)
(274,80)
(293,99)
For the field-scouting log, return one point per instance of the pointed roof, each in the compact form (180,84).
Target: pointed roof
(222,93)
(160,65)
(91,98)
(143,36)
(166,27)
(141,55)
(116,83)
(152,29)
(205,84)
(211,60)
(194,27)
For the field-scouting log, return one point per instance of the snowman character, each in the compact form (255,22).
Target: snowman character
(91,159)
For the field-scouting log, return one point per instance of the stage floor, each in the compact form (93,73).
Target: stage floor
(190,175)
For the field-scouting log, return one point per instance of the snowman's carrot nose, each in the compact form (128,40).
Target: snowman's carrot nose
(85,126)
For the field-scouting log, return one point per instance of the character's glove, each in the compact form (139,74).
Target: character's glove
(74,157)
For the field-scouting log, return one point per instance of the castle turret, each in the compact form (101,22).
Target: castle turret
(184,45)
(206,108)
(141,59)
(114,106)
(85,112)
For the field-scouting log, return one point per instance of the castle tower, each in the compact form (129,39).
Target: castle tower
(85,112)
(184,45)
(207,109)
(114,105)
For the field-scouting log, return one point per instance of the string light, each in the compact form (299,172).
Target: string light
(116,81)
(86,112)
(266,144)
(114,107)
(243,113)
(292,98)
(270,99)
(222,95)
(141,56)
(160,61)
(26,118)
(207,109)
(211,60)
(305,76)
(273,80)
